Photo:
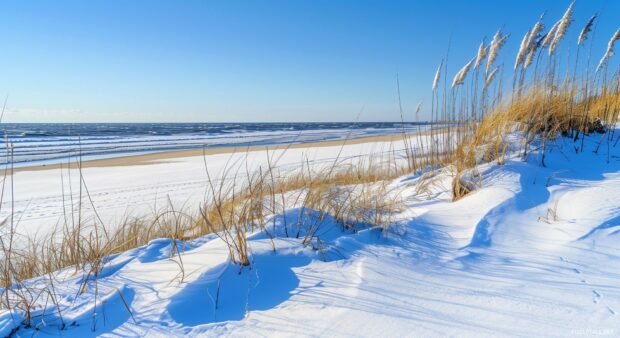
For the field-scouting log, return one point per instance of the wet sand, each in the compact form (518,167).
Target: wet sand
(143,159)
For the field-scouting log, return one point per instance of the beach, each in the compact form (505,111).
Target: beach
(118,188)
(39,144)
(310,169)
(145,159)
(446,261)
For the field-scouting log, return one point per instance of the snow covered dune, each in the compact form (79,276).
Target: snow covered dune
(533,252)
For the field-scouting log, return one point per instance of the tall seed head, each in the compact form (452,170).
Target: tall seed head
(437,76)
(564,22)
(490,78)
(482,53)
(529,58)
(462,74)
(610,50)
(535,42)
(537,29)
(583,36)
(419,106)
(548,38)
(523,49)
(496,44)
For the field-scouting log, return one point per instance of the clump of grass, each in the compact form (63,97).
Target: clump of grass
(354,194)
(470,126)
(541,106)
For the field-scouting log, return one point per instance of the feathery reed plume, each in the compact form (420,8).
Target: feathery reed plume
(548,38)
(583,36)
(563,24)
(529,58)
(482,53)
(610,50)
(418,108)
(523,48)
(490,78)
(537,29)
(462,74)
(535,42)
(437,76)
(496,44)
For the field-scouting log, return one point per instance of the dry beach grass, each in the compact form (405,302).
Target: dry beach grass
(474,115)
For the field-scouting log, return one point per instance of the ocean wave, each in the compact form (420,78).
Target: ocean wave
(53,142)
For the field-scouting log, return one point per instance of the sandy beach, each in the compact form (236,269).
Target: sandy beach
(143,159)
(310,169)
(137,184)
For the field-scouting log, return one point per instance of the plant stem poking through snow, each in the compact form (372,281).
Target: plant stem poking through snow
(297,207)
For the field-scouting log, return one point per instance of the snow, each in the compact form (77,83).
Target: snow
(118,191)
(533,252)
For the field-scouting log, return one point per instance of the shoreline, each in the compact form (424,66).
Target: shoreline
(145,159)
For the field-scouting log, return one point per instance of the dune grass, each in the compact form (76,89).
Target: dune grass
(473,115)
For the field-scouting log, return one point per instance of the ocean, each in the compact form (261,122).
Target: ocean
(47,143)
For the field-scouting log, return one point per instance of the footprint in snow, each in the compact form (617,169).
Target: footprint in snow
(577,270)
(597,296)
(611,310)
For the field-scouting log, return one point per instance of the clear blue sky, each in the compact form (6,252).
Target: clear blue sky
(143,61)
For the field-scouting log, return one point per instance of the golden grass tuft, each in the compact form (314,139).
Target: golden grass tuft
(471,120)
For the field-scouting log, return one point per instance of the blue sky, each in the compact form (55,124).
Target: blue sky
(217,61)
